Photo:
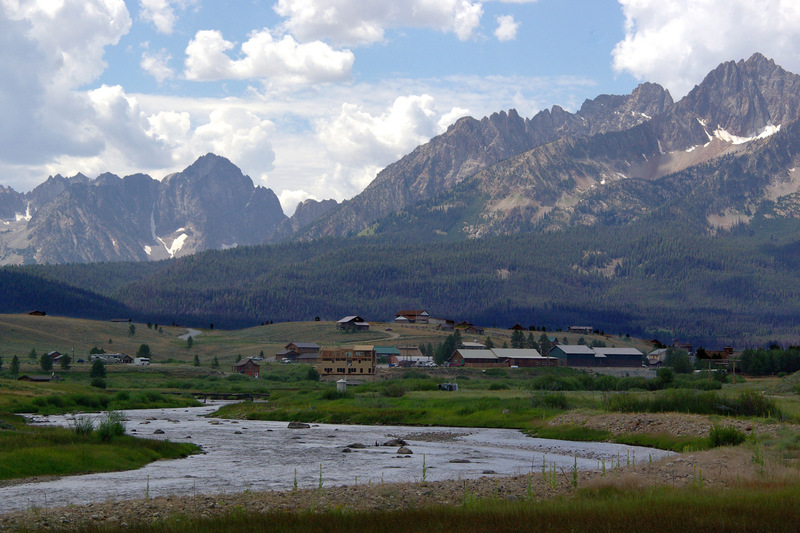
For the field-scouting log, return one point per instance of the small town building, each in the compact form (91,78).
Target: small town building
(574,355)
(442,323)
(247,367)
(357,361)
(524,357)
(657,357)
(299,352)
(286,355)
(474,345)
(620,357)
(414,316)
(352,323)
(475,359)
(388,353)
(466,328)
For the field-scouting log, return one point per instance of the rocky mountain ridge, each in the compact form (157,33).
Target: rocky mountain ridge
(622,163)
(728,149)
(209,205)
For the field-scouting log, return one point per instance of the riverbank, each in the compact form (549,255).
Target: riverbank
(714,469)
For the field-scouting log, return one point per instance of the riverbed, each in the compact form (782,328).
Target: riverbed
(240,456)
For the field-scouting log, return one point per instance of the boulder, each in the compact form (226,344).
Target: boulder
(298,425)
(404,451)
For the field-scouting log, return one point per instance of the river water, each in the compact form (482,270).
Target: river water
(261,455)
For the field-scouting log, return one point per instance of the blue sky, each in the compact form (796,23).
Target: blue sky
(313,97)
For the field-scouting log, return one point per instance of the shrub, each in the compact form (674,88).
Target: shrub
(333,394)
(110,427)
(725,436)
(498,386)
(98,383)
(82,425)
(98,369)
(394,390)
(312,374)
(550,400)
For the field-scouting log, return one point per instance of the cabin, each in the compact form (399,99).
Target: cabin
(247,367)
(352,323)
(347,361)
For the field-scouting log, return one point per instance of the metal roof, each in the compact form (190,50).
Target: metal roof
(574,349)
(518,353)
(618,351)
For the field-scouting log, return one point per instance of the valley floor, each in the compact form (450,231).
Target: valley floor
(742,466)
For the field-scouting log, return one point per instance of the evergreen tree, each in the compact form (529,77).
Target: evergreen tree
(545,345)
(215,362)
(32,355)
(143,351)
(1,362)
(189,342)
(489,343)
(46,362)
(15,366)
(98,369)
(196,359)
(65,362)
(517,339)
(131,329)
(530,342)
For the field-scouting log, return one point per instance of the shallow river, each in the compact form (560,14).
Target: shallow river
(260,455)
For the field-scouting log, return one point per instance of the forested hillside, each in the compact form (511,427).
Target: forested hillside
(665,280)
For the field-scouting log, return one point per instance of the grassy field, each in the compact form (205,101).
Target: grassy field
(22,333)
(28,451)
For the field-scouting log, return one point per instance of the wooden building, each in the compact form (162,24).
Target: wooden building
(352,323)
(348,361)
(475,359)
(524,357)
(248,367)
(413,316)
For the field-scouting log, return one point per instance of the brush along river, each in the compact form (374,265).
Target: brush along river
(243,456)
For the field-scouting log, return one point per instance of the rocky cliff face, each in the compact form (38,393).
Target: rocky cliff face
(470,146)
(210,205)
(729,149)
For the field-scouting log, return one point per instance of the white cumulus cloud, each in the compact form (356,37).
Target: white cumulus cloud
(50,48)
(157,65)
(676,43)
(506,28)
(161,13)
(280,60)
(355,22)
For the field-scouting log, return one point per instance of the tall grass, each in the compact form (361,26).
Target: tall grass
(29,451)
(745,403)
(601,510)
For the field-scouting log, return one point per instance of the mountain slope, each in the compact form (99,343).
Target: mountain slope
(209,205)
(470,145)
